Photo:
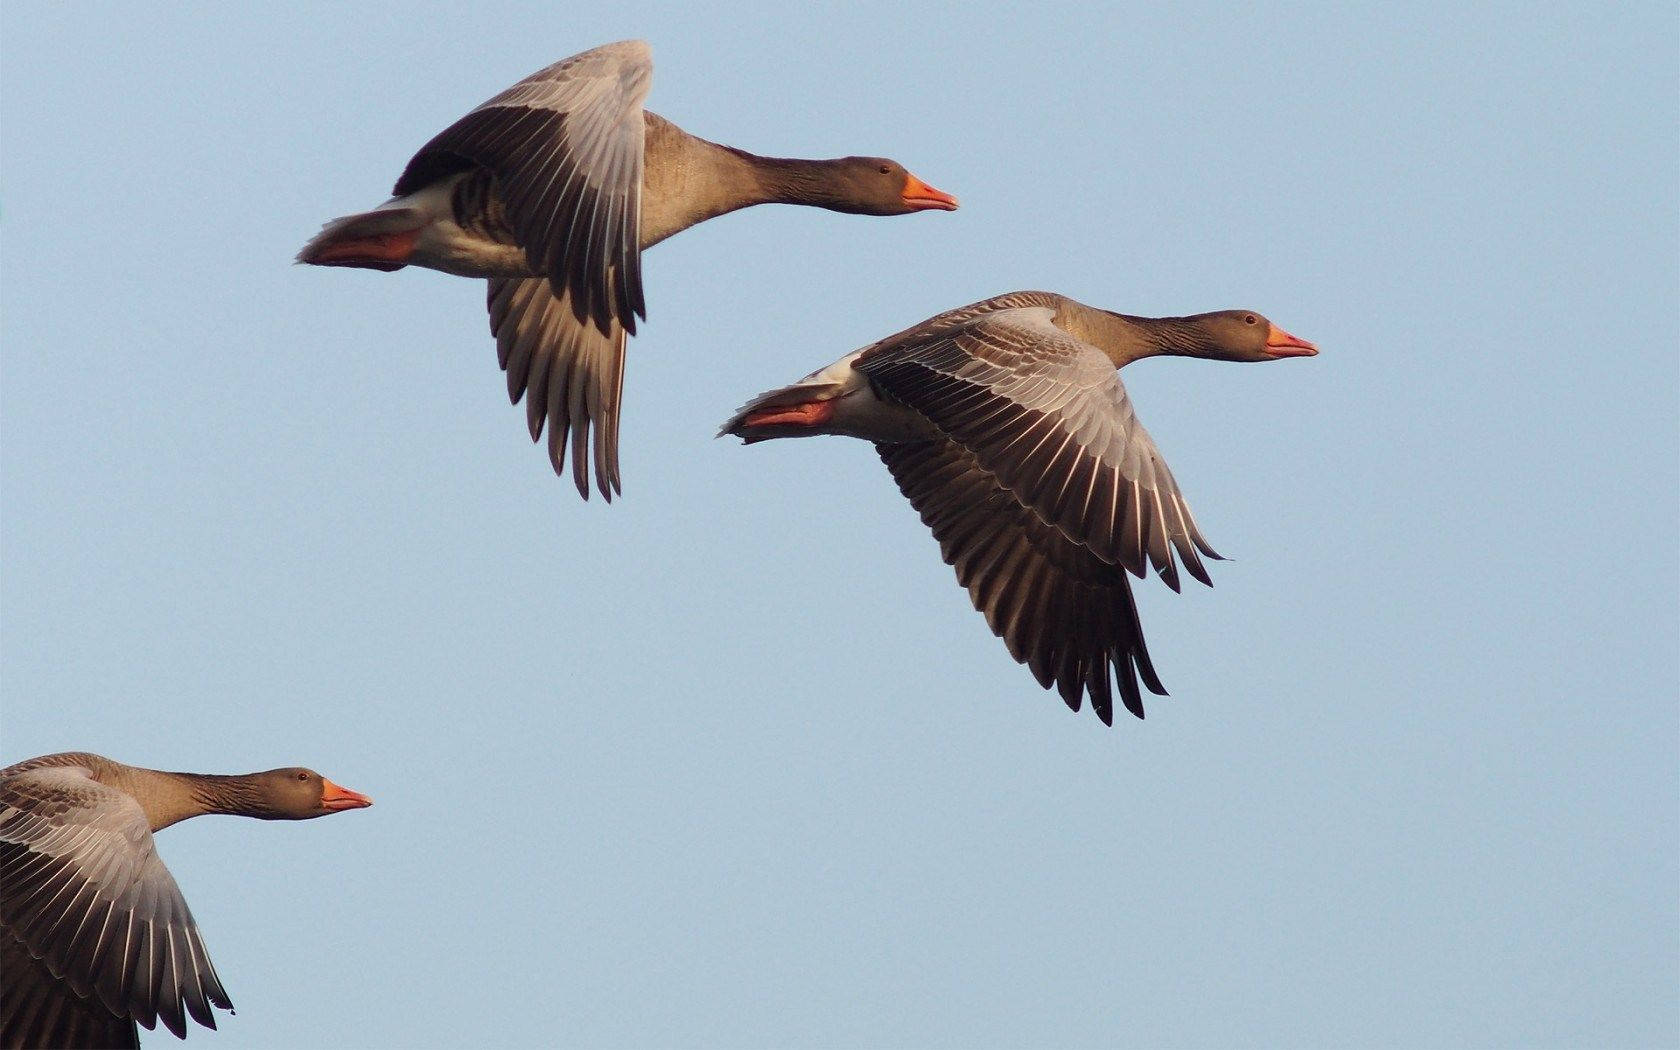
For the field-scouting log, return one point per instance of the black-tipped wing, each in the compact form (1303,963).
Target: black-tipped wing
(82,888)
(1064,612)
(39,1010)
(565,145)
(1046,415)
(569,375)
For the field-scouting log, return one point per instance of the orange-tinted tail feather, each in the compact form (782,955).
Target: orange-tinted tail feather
(374,240)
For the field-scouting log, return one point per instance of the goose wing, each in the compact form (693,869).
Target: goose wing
(83,891)
(1045,414)
(1063,611)
(570,375)
(565,145)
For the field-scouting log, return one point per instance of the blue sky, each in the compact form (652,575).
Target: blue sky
(732,762)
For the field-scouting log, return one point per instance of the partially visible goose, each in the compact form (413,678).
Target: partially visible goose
(95,936)
(551,190)
(1006,426)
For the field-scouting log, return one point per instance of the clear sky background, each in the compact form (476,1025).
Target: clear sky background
(732,761)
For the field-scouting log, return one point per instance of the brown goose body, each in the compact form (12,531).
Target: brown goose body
(96,939)
(1006,426)
(551,190)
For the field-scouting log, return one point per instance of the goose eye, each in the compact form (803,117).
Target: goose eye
(885,170)
(303,776)
(1249,319)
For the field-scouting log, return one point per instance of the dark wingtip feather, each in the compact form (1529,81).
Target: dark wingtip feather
(1129,694)
(1202,545)
(1146,670)
(1096,684)
(1195,568)
(580,454)
(1071,687)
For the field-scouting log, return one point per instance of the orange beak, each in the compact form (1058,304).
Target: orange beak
(920,196)
(1281,344)
(335,798)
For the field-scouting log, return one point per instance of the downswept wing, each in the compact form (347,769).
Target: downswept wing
(36,1009)
(566,148)
(83,889)
(1063,611)
(1046,415)
(569,374)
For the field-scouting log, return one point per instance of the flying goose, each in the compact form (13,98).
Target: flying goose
(1006,426)
(95,937)
(551,190)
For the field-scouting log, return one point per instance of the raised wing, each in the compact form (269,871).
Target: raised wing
(1045,414)
(1064,612)
(565,145)
(83,890)
(569,375)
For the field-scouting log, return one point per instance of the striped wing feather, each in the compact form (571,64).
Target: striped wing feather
(1061,610)
(1046,415)
(566,148)
(565,145)
(569,374)
(83,890)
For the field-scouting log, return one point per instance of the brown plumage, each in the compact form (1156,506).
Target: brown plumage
(551,190)
(95,937)
(1006,426)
